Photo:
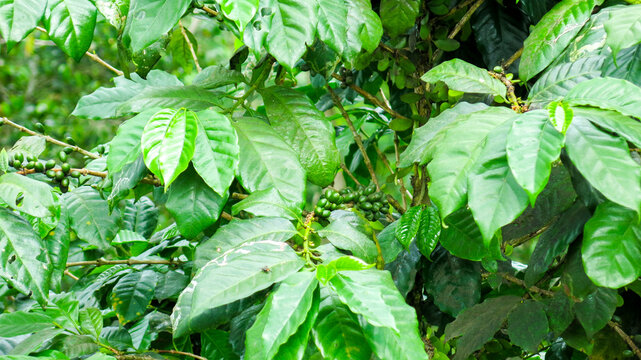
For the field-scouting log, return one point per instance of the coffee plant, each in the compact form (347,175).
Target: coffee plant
(395,179)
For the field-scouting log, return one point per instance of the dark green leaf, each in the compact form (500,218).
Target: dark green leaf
(215,345)
(140,216)
(216,76)
(454,283)
(527,325)
(596,310)
(429,231)
(89,216)
(132,294)
(70,24)
(408,225)
(18,18)
(404,269)
(398,16)
(148,20)
(560,312)
(461,237)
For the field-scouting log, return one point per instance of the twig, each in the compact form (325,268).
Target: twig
(68,273)
(92,56)
(101,174)
(48,138)
(513,58)
(380,262)
(525,238)
(101,262)
(625,338)
(372,99)
(238,196)
(458,27)
(226,216)
(400,180)
(176,352)
(453,10)
(395,204)
(357,137)
(349,173)
(210,11)
(191,46)
(511,96)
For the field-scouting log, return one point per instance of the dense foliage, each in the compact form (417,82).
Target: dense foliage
(401,179)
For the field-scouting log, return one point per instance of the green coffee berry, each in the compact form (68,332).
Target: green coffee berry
(18,156)
(64,182)
(321,203)
(40,167)
(60,175)
(65,168)
(50,174)
(30,165)
(75,174)
(62,156)
(68,150)
(17,164)
(50,164)
(326,213)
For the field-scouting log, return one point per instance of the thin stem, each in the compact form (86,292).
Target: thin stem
(357,137)
(513,58)
(454,10)
(625,338)
(101,174)
(241,100)
(400,180)
(191,46)
(395,204)
(176,352)
(238,196)
(71,275)
(93,57)
(380,262)
(226,216)
(373,99)
(101,262)
(458,27)
(349,173)
(511,96)
(5,121)
(209,11)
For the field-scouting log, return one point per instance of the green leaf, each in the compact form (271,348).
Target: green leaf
(193,204)
(89,216)
(408,225)
(495,198)
(268,162)
(91,321)
(364,29)
(124,148)
(236,274)
(140,216)
(325,272)
(27,195)
(168,143)
(532,146)
(33,343)
(146,330)
(560,79)
(267,202)
(611,246)
(561,115)
(192,97)
(607,93)
(398,16)
(57,242)
(455,158)
(605,162)
(390,246)
(216,345)
(306,130)
(461,237)
(344,236)
(463,76)
(527,325)
(447,44)
(623,28)
(418,151)
(596,310)
(428,231)
(560,312)
(132,294)
(216,76)
(70,24)
(454,283)
(23,263)
(216,151)
(240,231)
(297,344)
(114,11)
(23,323)
(337,332)
(240,11)
(292,27)
(332,23)
(284,311)
(613,121)
(148,20)
(18,18)
(626,65)
(404,269)
(552,35)
(478,324)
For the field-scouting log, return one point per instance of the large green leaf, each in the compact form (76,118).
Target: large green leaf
(236,274)
(193,204)
(408,225)
(429,231)
(532,146)
(23,263)
(148,20)
(455,158)
(560,79)
(215,345)
(461,237)
(192,97)
(553,34)
(90,218)
(454,283)
(18,18)
(608,93)
(337,332)
(292,27)
(57,242)
(613,121)
(332,23)
(140,216)
(124,148)
(398,16)
(364,29)
(627,65)
(623,28)
(268,162)
(168,142)
(70,24)
(418,151)
(267,202)
(216,76)
(463,76)
(240,231)
(342,234)
(611,246)
(306,130)
(284,311)
(596,309)
(23,323)
(132,294)
(216,151)
(605,162)
(297,344)
(527,325)
(241,11)
(478,324)
(27,195)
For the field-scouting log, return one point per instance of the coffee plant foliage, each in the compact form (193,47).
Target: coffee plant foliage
(395,179)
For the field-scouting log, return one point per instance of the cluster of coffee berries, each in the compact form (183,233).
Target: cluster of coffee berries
(59,175)
(348,77)
(367,200)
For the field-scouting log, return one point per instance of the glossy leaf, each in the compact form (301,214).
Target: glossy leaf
(90,218)
(148,20)
(297,344)
(325,272)
(624,126)
(216,76)
(398,16)
(125,146)
(132,294)
(215,345)
(70,24)
(596,310)
(192,97)
(408,225)
(461,237)
(607,93)
(241,11)
(463,76)
(268,162)
(91,321)
(267,202)
(605,162)
(332,23)
(623,28)
(236,274)
(140,216)
(552,35)
(454,283)
(364,28)
(390,246)
(168,143)
(345,236)
(404,269)
(612,246)
(23,323)
(27,195)
(532,146)
(18,18)
(284,311)
(292,26)
(23,263)
(527,325)
(429,231)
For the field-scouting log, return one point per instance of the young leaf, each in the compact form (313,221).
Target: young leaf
(70,24)
(398,16)
(35,197)
(332,23)
(148,20)
(463,76)
(429,231)
(168,143)
(611,246)
(408,225)
(345,236)
(325,272)
(132,294)
(527,325)
(623,28)
(18,18)
(241,11)
(292,27)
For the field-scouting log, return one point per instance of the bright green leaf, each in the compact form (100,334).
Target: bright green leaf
(18,18)
(132,294)
(70,24)
(292,27)
(408,225)
(35,197)
(89,216)
(148,20)
(325,272)
(463,76)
